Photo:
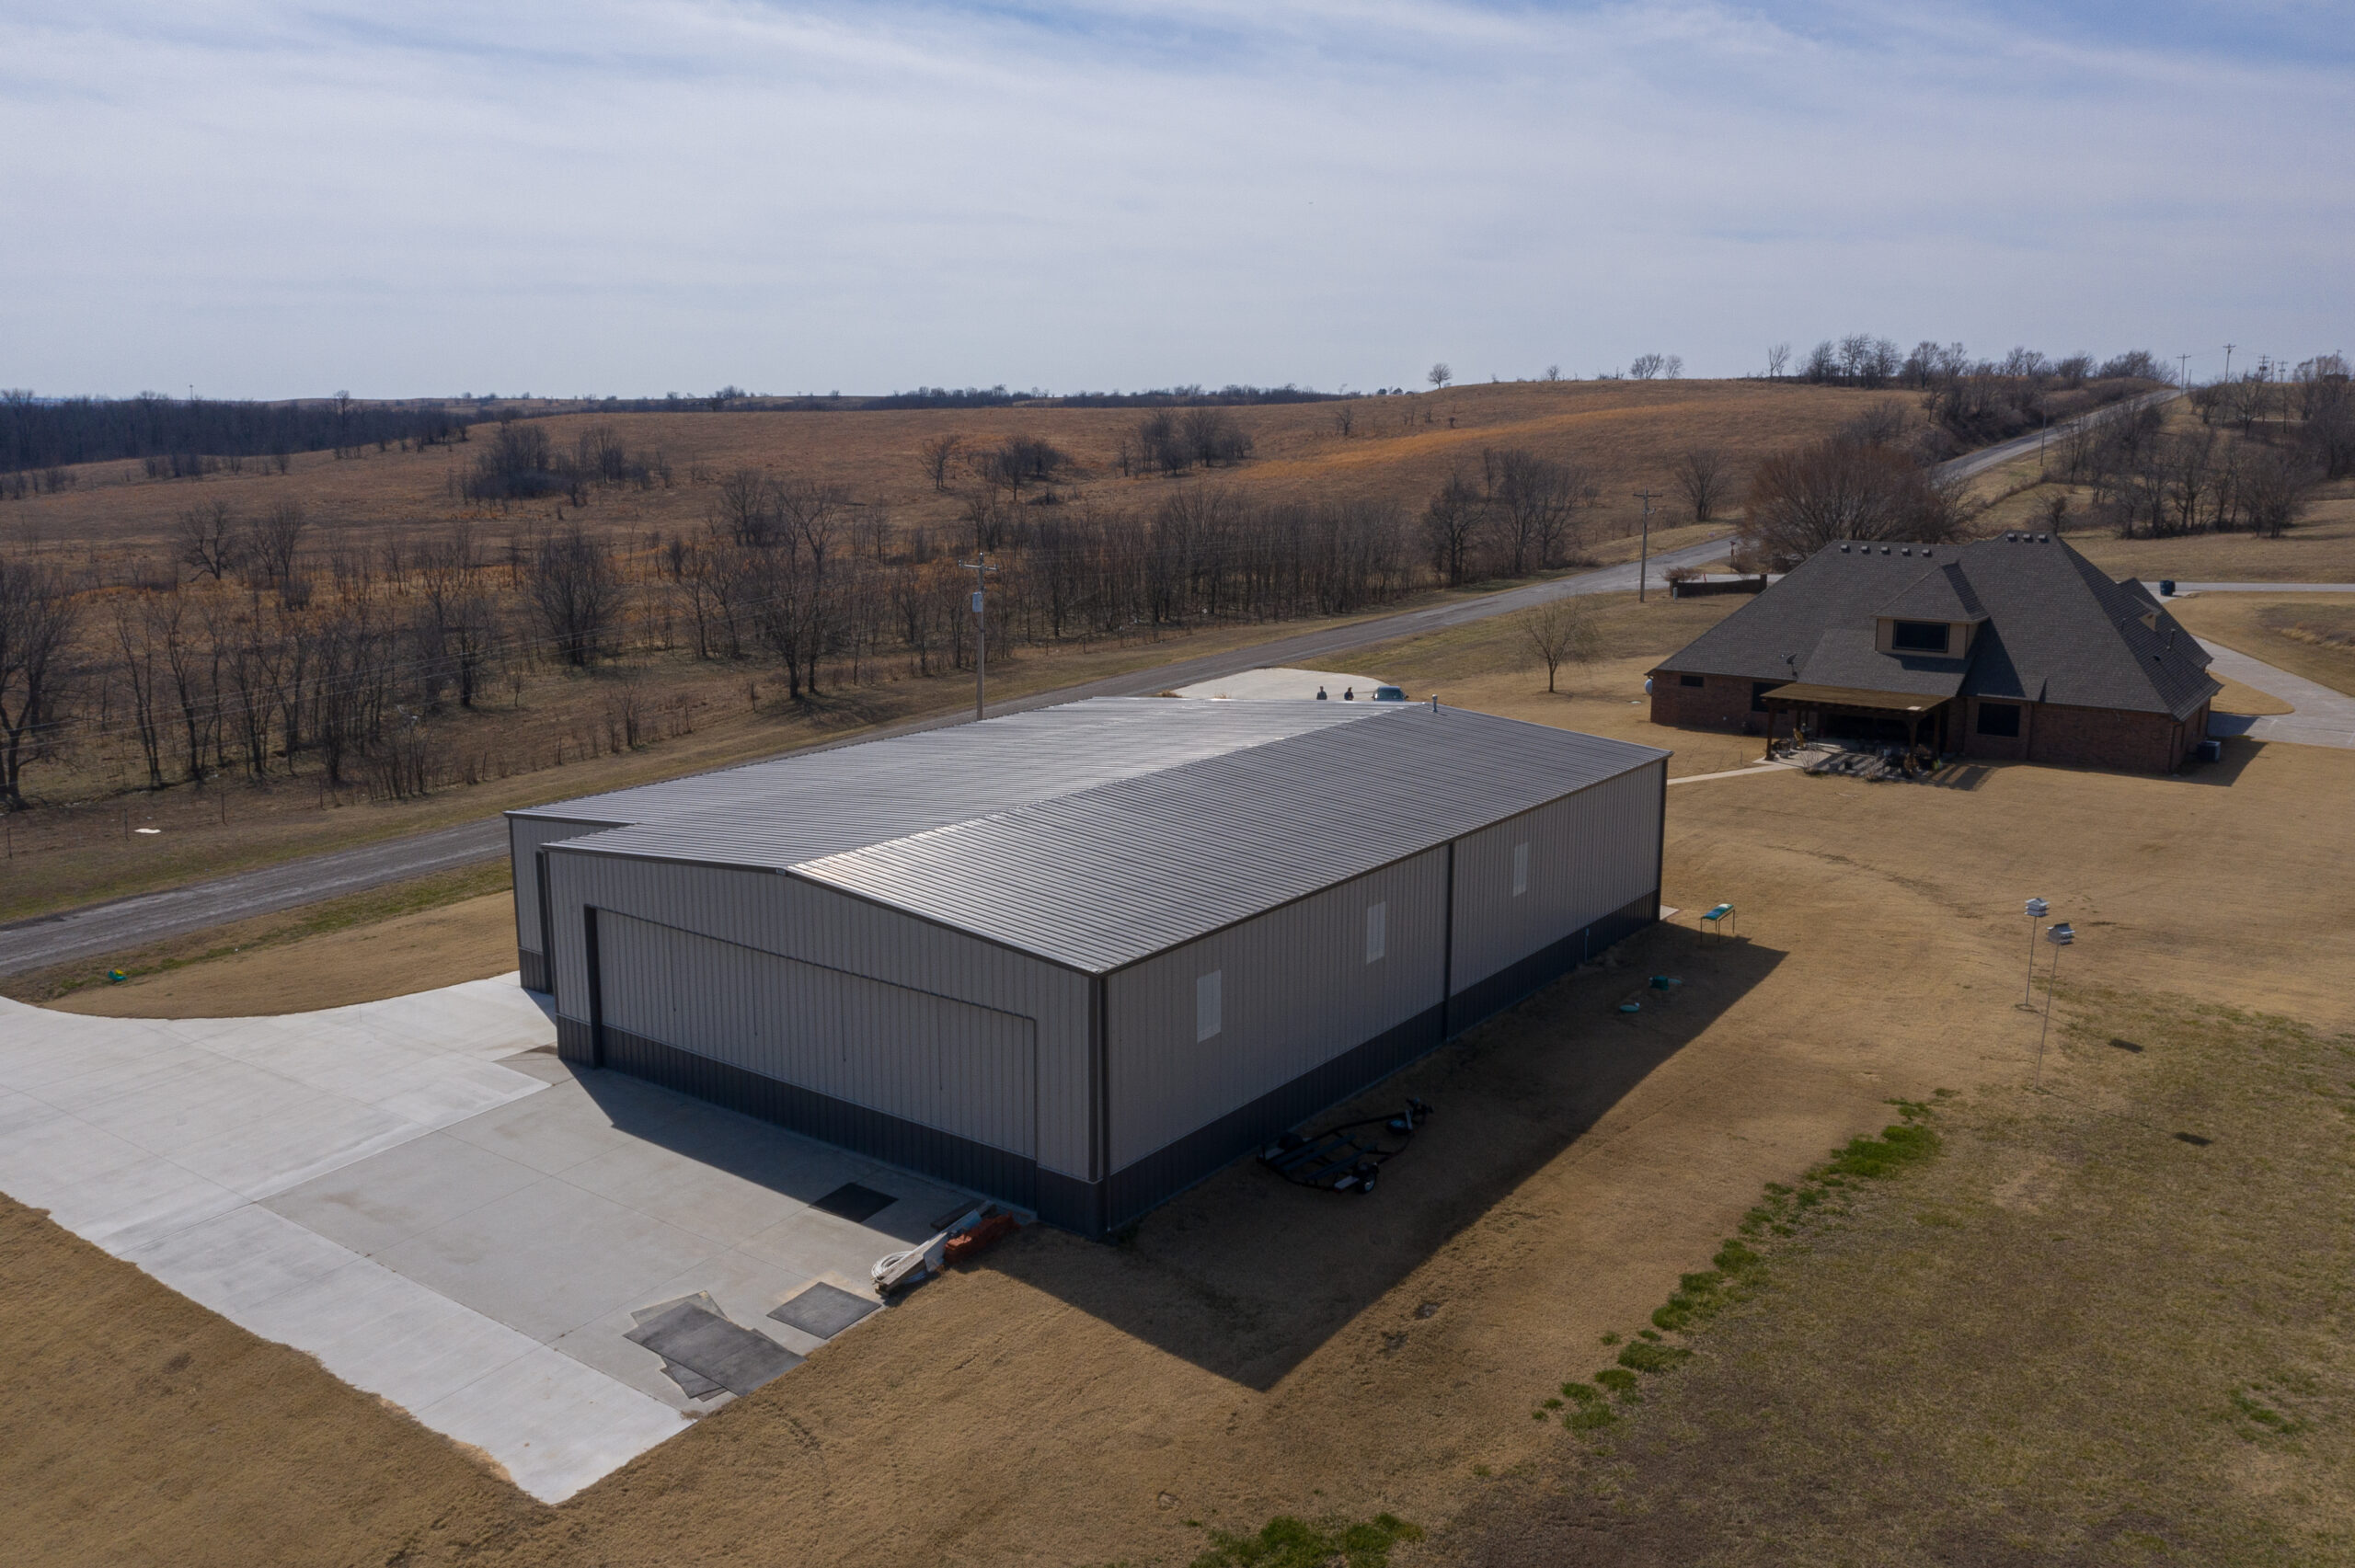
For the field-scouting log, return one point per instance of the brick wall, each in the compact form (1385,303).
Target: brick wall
(2106,738)
(2085,737)
(1720,702)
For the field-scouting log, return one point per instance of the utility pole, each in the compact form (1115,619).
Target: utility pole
(978,566)
(1644,559)
(2183,370)
(2228,360)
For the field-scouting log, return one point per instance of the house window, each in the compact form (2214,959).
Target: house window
(1520,870)
(1207,1021)
(1377,931)
(1918,637)
(1999,718)
(1691,681)
(1757,690)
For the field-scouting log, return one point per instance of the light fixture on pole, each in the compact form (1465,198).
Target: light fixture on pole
(2037,909)
(2060,936)
(978,566)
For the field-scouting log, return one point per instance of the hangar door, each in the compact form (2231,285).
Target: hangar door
(916,1057)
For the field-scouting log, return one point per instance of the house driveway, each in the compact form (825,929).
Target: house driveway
(419,1194)
(2324,716)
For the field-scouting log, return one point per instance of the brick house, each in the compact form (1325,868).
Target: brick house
(2016,648)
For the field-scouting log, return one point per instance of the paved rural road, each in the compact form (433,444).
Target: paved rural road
(2185,590)
(1970,464)
(127,923)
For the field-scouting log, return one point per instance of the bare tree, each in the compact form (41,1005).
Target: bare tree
(273,541)
(2274,492)
(458,622)
(1778,359)
(939,456)
(1439,375)
(1646,367)
(1553,372)
(576,593)
(135,625)
(1701,473)
(1562,631)
(1846,487)
(37,617)
(1345,418)
(1533,501)
(1451,528)
(745,510)
(210,540)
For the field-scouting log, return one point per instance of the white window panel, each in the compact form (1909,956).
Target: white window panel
(1520,869)
(1377,931)
(1207,1021)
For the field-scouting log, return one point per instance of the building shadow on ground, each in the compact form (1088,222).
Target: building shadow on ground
(1245,1276)
(2238,750)
(791,1164)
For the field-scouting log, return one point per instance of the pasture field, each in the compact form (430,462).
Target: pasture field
(2310,635)
(1400,449)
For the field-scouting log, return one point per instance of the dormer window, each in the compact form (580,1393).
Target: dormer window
(1918,637)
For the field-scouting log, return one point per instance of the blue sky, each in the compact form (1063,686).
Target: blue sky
(270,199)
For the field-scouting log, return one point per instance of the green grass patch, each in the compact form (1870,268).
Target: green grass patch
(1618,1379)
(1286,1542)
(1653,1358)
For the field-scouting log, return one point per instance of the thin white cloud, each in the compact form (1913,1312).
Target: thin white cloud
(270,200)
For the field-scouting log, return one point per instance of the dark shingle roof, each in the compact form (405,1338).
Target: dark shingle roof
(1846,655)
(1943,594)
(2056,630)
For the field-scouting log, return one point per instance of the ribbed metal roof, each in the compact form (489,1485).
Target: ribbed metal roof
(811,803)
(1278,800)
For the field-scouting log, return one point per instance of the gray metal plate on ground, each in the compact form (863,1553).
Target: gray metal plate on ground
(692,1383)
(855,1203)
(692,1335)
(823,1310)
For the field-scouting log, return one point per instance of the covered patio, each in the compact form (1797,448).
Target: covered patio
(1850,713)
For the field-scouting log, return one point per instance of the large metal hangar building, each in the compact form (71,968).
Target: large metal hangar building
(1078,958)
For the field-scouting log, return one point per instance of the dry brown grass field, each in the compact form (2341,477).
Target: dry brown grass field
(1631,432)
(2031,1349)
(2310,635)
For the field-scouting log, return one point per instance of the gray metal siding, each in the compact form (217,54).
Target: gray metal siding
(525,835)
(1590,854)
(945,1064)
(1295,992)
(794,918)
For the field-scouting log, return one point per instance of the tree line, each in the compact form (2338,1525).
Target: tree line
(263,650)
(39,434)
(2262,445)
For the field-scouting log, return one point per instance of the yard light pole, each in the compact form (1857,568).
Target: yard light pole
(2060,936)
(978,566)
(2037,909)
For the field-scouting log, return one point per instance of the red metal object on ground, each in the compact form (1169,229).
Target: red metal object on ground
(973,1243)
